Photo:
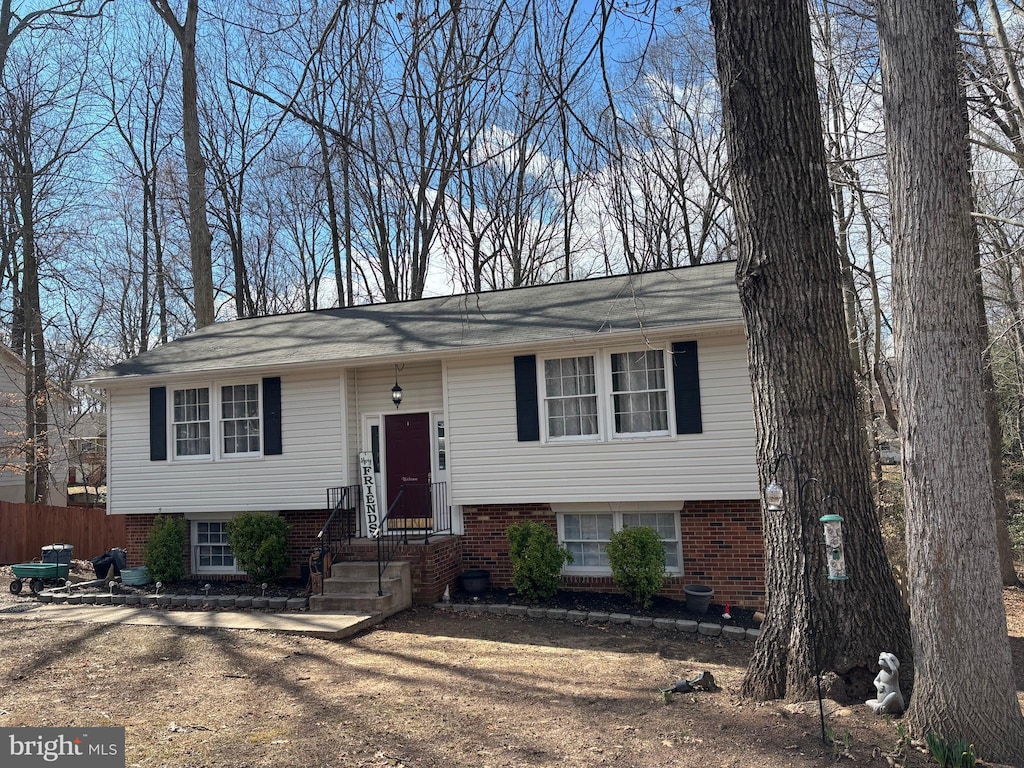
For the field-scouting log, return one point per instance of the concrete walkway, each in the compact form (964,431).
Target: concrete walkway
(326,625)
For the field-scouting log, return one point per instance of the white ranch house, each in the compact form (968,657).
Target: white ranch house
(587,405)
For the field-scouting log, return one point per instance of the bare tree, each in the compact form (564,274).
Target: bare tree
(195,166)
(136,93)
(39,139)
(805,400)
(666,157)
(955,596)
(14,22)
(996,81)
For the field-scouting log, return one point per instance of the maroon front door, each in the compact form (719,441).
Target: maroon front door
(407,458)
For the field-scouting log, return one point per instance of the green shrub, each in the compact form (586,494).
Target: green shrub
(163,554)
(259,543)
(637,558)
(537,559)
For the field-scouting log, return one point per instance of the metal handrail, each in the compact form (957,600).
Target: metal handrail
(437,511)
(340,501)
(384,533)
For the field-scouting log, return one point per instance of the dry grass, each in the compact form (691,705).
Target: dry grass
(424,690)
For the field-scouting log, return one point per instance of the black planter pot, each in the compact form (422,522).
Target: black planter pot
(698,598)
(475,582)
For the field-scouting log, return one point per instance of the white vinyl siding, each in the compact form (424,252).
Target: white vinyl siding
(488,465)
(12,434)
(313,458)
(12,431)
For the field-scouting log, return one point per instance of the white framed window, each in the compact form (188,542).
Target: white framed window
(240,419)
(570,397)
(586,536)
(191,420)
(217,421)
(607,395)
(211,551)
(667,526)
(639,393)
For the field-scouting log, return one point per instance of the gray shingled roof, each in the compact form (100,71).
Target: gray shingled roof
(582,310)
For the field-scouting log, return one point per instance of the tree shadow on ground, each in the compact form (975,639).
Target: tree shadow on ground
(522,630)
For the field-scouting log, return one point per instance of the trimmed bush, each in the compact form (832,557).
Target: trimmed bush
(259,543)
(637,558)
(163,554)
(537,559)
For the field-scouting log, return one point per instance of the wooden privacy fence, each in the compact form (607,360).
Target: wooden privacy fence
(26,528)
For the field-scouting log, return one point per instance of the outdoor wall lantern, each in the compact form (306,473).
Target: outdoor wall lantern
(396,391)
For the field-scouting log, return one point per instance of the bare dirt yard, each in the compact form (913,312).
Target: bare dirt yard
(426,689)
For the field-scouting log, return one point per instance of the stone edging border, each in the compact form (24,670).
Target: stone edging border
(706,628)
(202,602)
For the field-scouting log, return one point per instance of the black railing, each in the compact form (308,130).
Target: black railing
(419,511)
(343,524)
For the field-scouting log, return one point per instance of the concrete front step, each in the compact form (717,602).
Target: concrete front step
(358,569)
(352,586)
(340,585)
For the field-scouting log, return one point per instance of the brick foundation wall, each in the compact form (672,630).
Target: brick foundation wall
(136,531)
(485,544)
(723,548)
(302,530)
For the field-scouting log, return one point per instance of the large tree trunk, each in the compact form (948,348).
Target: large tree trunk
(963,669)
(195,166)
(805,399)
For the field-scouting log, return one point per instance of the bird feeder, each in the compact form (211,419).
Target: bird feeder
(834,555)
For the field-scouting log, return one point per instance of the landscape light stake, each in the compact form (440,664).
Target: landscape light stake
(774,496)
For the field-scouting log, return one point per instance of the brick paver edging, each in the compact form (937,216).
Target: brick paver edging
(202,602)
(709,629)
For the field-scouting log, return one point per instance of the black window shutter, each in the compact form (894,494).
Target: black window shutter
(527,412)
(272,416)
(158,423)
(686,380)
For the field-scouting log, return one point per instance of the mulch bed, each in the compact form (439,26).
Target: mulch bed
(605,602)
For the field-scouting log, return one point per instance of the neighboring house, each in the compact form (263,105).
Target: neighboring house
(87,460)
(588,406)
(12,433)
